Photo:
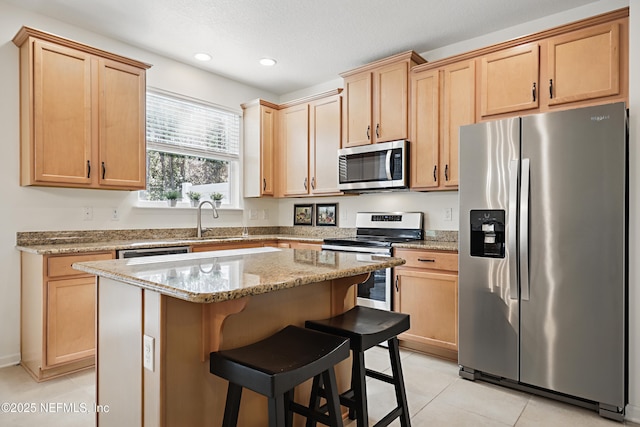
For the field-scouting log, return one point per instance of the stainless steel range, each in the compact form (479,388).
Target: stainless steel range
(375,233)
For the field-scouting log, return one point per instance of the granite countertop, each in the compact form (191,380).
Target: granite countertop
(216,276)
(70,242)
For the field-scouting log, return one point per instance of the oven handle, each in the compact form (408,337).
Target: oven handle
(359,249)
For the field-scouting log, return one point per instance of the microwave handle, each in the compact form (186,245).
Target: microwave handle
(388,165)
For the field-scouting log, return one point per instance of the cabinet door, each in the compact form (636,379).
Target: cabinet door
(71,313)
(358,110)
(267,139)
(459,109)
(509,80)
(431,299)
(62,115)
(584,64)
(295,149)
(324,138)
(391,108)
(122,140)
(425,129)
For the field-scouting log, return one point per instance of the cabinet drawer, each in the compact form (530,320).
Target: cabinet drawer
(426,259)
(58,266)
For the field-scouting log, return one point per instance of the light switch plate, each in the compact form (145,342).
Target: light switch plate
(148,352)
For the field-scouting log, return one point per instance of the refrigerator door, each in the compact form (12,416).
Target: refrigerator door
(488,304)
(573,322)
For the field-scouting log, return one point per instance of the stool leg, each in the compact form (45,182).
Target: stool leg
(288,398)
(359,386)
(276,411)
(396,368)
(314,400)
(232,407)
(333,398)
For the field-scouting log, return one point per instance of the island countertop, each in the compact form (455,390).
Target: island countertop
(216,276)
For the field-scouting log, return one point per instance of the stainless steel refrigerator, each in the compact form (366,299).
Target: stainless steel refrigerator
(543,255)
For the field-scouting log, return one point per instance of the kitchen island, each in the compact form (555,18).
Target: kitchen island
(158,318)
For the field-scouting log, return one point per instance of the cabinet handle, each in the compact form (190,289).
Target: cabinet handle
(551,88)
(104,170)
(88,168)
(426,260)
(533,91)
(305,183)
(313,183)
(397,289)
(368,130)
(378,130)
(435,169)
(264,184)
(446,172)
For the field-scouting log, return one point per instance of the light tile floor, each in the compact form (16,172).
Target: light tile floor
(437,397)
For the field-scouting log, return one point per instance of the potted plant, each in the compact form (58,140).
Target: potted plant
(194,197)
(217,199)
(172,197)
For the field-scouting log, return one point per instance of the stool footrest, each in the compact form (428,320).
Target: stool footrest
(303,410)
(389,418)
(380,376)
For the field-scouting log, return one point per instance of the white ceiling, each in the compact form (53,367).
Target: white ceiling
(313,41)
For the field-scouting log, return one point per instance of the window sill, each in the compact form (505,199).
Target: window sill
(181,206)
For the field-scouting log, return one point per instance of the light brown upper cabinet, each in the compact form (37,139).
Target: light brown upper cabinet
(442,100)
(309,142)
(260,120)
(584,64)
(509,80)
(82,114)
(376,100)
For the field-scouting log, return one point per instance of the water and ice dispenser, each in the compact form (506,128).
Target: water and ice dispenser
(487,233)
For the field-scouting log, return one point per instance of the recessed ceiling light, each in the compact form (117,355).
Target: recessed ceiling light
(202,56)
(268,62)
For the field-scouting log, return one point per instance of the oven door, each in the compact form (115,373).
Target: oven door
(375,292)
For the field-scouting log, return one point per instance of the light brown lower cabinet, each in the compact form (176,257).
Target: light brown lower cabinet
(58,312)
(426,288)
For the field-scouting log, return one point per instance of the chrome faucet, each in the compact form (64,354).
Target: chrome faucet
(215,215)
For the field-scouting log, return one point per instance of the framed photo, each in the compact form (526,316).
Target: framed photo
(327,214)
(302,214)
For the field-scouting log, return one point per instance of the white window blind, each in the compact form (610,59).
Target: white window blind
(177,125)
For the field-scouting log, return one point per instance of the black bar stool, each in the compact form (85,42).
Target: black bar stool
(274,366)
(366,327)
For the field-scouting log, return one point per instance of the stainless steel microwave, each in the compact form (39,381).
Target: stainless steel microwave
(373,167)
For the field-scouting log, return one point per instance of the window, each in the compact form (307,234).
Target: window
(192,146)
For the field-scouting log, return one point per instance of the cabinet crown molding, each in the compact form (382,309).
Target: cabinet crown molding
(25,32)
(409,55)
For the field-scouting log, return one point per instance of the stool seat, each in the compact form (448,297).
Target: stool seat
(274,366)
(365,327)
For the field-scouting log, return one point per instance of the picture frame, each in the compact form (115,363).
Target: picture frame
(327,215)
(303,214)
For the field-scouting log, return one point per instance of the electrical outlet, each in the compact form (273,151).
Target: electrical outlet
(115,215)
(148,352)
(87,213)
(253,214)
(447,214)
(265,213)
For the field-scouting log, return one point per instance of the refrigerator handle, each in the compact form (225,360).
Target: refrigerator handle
(511,229)
(524,231)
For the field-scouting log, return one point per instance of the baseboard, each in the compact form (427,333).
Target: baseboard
(632,413)
(10,360)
